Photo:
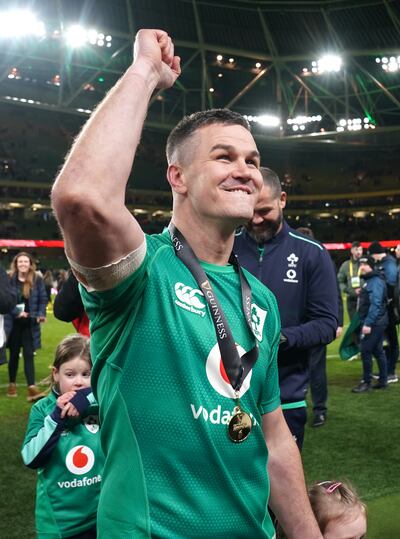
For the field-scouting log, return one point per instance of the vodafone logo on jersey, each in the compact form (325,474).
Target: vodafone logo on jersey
(217,376)
(80,459)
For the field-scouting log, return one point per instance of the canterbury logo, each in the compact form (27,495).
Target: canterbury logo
(190,298)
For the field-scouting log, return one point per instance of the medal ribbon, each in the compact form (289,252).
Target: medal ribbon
(236,367)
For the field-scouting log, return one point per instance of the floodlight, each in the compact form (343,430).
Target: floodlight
(268,120)
(76,36)
(329,63)
(384,60)
(302,120)
(258,65)
(92,36)
(220,57)
(20,22)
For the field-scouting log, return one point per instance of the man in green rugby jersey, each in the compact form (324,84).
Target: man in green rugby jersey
(184,342)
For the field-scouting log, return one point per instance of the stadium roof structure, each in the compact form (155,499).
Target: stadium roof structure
(260,58)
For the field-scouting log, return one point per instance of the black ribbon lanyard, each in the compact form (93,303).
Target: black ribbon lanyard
(236,367)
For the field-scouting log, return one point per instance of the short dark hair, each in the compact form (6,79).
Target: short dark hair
(271,179)
(355,244)
(190,124)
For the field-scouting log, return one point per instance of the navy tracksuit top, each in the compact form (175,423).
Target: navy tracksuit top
(299,271)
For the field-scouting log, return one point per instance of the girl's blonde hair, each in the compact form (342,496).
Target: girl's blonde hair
(30,278)
(75,345)
(331,500)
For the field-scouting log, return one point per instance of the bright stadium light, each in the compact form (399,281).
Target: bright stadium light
(301,122)
(77,36)
(266,120)
(20,22)
(354,124)
(329,63)
(391,64)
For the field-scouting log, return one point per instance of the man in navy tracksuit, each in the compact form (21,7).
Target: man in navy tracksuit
(300,273)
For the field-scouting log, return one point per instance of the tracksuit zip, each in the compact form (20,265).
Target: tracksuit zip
(261,250)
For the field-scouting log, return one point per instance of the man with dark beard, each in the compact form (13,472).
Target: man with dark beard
(300,273)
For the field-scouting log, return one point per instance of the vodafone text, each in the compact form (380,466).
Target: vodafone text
(217,416)
(84,482)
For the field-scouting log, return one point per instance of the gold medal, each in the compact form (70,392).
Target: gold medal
(239,426)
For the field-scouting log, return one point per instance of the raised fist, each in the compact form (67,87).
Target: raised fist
(154,51)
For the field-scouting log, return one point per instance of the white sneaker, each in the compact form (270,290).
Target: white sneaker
(392,379)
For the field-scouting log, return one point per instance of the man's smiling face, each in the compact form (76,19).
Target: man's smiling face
(222,175)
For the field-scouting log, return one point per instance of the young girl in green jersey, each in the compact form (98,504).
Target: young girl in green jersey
(62,442)
(339,511)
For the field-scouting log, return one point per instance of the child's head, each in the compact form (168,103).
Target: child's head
(72,364)
(339,511)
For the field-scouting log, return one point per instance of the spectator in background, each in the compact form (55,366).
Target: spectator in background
(397,253)
(317,361)
(372,311)
(48,281)
(349,278)
(7,303)
(23,323)
(61,278)
(300,273)
(68,305)
(387,265)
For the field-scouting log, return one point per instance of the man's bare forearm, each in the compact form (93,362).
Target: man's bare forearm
(89,194)
(103,153)
(288,499)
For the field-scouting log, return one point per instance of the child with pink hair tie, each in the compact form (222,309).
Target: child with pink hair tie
(338,509)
